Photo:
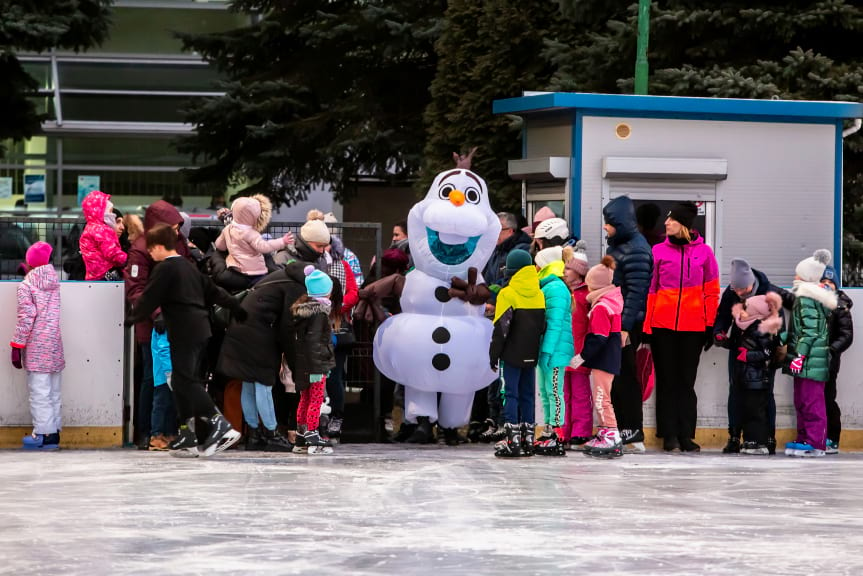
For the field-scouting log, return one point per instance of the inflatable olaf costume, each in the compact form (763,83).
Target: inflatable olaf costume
(439,344)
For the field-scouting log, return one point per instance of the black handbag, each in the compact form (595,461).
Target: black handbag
(345,337)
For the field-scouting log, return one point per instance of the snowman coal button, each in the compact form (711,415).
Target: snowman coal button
(441,362)
(442,294)
(440,335)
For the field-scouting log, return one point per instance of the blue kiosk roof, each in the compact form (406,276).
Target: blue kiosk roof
(677,106)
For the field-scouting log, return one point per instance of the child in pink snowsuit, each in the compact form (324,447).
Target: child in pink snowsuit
(578,427)
(99,243)
(38,347)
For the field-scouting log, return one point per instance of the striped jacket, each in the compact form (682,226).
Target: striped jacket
(38,328)
(684,289)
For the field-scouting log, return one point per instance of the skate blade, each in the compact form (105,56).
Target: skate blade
(320,450)
(185,453)
(300,450)
(230,438)
(634,448)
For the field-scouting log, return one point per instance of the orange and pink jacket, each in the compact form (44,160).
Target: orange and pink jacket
(684,289)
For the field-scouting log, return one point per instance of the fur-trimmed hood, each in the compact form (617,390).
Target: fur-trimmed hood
(306,307)
(816,292)
(253,211)
(763,309)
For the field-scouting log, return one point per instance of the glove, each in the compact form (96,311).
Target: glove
(288,238)
(576,361)
(16,358)
(741,354)
(315,378)
(720,340)
(708,340)
(797,364)
(159,324)
(239,314)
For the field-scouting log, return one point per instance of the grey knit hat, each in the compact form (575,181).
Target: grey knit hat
(741,274)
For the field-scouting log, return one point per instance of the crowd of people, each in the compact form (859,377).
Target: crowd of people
(273,319)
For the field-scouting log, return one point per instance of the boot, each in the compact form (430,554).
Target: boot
(670,444)
(423,432)
(733,444)
(254,439)
(492,433)
(510,446)
(474,430)
(527,432)
(771,446)
(406,430)
(451,436)
(687,445)
(275,442)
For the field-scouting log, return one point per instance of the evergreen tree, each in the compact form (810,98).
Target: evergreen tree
(316,92)
(734,49)
(38,26)
(489,49)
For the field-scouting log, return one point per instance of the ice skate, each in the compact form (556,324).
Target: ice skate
(578,442)
(754,449)
(316,444)
(527,441)
(451,436)
(221,437)
(588,445)
(275,442)
(633,441)
(551,446)
(803,450)
(423,432)
(547,432)
(186,444)
(832,447)
(510,446)
(609,445)
(474,429)
(733,444)
(255,440)
(334,430)
(39,442)
(493,433)
(300,444)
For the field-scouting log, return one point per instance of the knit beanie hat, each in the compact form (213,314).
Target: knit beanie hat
(542,214)
(684,212)
(548,255)
(741,274)
(315,231)
(578,262)
(516,260)
(601,275)
(829,274)
(318,284)
(39,254)
(812,269)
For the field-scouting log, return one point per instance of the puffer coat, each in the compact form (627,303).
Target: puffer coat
(313,344)
(810,329)
(37,331)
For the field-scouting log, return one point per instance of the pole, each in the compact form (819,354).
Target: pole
(641,66)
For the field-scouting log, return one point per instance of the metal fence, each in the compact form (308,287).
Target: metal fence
(19,232)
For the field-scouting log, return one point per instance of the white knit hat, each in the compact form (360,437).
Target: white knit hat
(812,269)
(545,257)
(315,231)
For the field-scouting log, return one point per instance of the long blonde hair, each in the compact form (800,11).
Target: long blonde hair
(134,226)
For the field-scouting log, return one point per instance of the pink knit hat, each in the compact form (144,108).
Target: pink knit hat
(39,254)
(578,262)
(601,275)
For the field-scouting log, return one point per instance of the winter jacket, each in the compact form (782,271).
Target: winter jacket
(161,350)
(357,268)
(313,344)
(684,290)
(760,343)
(557,347)
(242,237)
(602,346)
(519,321)
(810,329)
(633,257)
(99,244)
(495,268)
(724,319)
(37,331)
(841,331)
(140,265)
(252,350)
(580,322)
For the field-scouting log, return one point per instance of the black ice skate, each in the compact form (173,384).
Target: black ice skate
(317,445)
(255,440)
(221,437)
(275,442)
(527,441)
(423,432)
(509,447)
(186,444)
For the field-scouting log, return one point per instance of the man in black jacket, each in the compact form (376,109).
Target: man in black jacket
(185,296)
(634,259)
(745,282)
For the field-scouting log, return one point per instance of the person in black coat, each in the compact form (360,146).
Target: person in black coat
(634,259)
(185,297)
(841,338)
(510,238)
(745,282)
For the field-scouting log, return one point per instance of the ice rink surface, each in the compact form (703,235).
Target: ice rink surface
(377,509)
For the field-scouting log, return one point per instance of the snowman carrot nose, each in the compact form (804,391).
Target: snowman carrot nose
(456,197)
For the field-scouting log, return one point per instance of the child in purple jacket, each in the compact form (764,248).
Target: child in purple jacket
(38,347)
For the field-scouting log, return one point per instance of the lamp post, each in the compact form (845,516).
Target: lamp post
(641,66)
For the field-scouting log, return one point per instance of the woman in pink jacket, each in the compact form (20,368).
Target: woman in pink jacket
(242,238)
(100,244)
(38,347)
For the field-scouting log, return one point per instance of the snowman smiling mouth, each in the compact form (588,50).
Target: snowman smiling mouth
(451,249)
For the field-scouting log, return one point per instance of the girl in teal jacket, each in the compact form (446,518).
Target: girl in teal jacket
(556,350)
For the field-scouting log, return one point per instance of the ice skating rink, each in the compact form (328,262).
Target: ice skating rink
(373,509)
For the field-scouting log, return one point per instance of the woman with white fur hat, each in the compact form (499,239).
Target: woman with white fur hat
(809,354)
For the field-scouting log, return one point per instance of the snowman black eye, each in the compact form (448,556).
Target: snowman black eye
(472,195)
(445,190)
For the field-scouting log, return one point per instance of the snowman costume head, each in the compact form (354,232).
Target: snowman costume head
(454,227)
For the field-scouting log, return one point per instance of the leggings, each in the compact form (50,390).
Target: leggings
(309,411)
(551,394)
